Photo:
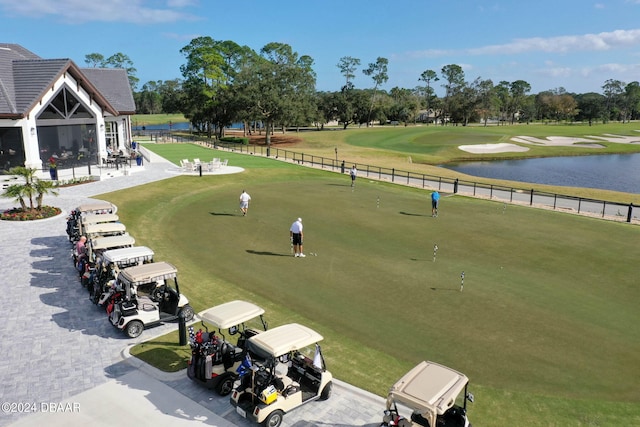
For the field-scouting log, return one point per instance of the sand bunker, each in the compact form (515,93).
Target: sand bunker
(502,147)
(550,141)
(558,141)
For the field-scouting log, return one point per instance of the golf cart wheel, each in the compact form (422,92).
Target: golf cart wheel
(326,391)
(134,328)
(187,313)
(274,419)
(225,386)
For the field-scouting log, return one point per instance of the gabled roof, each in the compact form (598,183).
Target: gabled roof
(114,85)
(25,77)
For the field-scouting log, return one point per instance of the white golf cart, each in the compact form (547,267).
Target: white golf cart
(214,360)
(97,246)
(283,375)
(436,395)
(104,229)
(109,264)
(77,219)
(151,297)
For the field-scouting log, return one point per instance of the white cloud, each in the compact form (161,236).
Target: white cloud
(80,11)
(617,39)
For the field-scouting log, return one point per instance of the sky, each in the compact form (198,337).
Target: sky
(573,44)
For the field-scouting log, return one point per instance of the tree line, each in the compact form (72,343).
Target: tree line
(224,83)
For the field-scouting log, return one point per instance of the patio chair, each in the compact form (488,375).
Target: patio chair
(188,166)
(224,163)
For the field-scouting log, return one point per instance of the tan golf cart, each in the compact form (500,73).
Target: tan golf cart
(109,264)
(286,370)
(214,359)
(79,216)
(435,395)
(98,245)
(151,297)
(104,229)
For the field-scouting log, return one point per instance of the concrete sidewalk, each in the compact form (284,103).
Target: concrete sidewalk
(64,364)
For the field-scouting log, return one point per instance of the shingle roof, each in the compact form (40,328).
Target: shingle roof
(114,85)
(24,77)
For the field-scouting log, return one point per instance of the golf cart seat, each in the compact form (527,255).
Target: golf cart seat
(146,304)
(284,384)
(229,354)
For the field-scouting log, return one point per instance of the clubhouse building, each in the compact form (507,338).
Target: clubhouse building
(51,108)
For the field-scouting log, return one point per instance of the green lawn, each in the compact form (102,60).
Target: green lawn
(544,327)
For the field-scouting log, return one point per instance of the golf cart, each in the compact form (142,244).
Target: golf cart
(215,360)
(97,246)
(282,374)
(151,297)
(109,264)
(433,393)
(76,220)
(104,229)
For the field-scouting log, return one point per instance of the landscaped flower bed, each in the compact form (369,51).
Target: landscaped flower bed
(18,214)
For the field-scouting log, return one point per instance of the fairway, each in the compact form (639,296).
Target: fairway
(549,299)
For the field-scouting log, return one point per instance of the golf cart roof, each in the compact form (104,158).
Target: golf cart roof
(429,387)
(230,314)
(100,243)
(97,206)
(147,273)
(104,227)
(132,255)
(284,339)
(99,218)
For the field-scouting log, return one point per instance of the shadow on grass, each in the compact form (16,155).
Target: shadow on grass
(411,214)
(445,289)
(222,214)
(266,253)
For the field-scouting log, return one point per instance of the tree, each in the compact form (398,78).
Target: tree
(209,100)
(378,72)
(613,90)
(590,107)
(94,60)
(487,101)
(32,187)
(631,100)
(275,84)
(348,66)
(454,76)
(518,91)
(428,76)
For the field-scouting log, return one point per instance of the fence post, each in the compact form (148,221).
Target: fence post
(455,186)
(393,174)
(629,214)
(531,198)
(579,203)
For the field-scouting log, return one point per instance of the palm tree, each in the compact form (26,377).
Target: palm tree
(33,186)
(42,188)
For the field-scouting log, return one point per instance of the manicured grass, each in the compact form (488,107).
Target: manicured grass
(544,326)
(157,119)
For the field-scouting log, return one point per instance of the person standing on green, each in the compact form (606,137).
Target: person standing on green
(245,198)
(435,199)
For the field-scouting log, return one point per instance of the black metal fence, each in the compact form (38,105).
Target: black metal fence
(597,208)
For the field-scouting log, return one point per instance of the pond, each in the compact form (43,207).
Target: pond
(618,172)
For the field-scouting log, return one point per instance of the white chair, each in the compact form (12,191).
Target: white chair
(188,166)
(224,163)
